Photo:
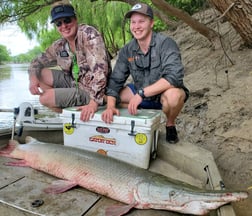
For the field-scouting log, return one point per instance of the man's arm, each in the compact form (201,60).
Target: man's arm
(88,111)
(157,88)
(46,59)
(98,62)
(107,115)
(34,84)
(97,59)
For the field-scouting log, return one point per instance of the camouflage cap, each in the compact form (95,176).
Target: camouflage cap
(140,8)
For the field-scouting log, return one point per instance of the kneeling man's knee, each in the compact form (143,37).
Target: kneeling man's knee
(173,97)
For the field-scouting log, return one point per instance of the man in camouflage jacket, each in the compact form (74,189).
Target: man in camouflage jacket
(82,68)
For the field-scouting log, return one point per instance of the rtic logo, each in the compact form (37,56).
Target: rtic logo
(103,130)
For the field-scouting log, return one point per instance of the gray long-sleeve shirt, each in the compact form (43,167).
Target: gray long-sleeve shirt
(163,60)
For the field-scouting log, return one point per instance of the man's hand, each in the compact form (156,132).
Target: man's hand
(107,115)
(133,104)
(34,86)
(88,111)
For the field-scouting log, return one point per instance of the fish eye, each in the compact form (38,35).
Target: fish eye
(172,193)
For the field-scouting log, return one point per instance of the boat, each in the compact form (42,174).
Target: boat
(29,121)
(21,187)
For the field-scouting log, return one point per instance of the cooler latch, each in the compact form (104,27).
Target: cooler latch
(72,125)
(73,119)
(132,132)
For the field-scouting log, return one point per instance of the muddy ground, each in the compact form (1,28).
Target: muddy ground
(218,114)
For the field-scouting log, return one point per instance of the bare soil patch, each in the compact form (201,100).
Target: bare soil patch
(218,114)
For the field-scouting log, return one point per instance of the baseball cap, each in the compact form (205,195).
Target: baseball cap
(61,11)
(140,8)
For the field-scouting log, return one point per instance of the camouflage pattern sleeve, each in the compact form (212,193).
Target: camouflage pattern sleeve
(46,59)
(93,62)
(55,55)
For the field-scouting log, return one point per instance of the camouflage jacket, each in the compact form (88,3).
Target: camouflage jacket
(92,59)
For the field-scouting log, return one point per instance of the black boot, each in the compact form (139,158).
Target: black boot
(171,134)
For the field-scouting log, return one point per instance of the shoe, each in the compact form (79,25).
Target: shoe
(171,134)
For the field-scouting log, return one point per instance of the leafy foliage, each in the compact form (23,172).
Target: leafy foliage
(46,37)
(107,17)
(4,54)
(190,6)
(33,17)
(27,57)
(35,23)
(14,10)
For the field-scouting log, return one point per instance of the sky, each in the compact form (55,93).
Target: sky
(15,41)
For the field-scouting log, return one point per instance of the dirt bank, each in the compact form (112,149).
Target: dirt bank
(218,114)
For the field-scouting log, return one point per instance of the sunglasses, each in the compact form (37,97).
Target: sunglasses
(66,20)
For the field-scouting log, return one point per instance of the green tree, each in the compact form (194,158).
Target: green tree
(105,16)
(27,57)
(4,54)
(33,17)
(46,37)
(190,6)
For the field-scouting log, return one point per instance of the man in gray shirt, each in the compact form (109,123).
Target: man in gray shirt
(154,62)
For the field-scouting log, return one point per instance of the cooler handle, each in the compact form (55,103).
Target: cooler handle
(132,132)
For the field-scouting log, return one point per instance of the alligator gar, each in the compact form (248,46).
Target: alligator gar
(136,187)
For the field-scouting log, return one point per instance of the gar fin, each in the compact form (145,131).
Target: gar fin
(60,186)
(19,163)
(10,147)
(117,210)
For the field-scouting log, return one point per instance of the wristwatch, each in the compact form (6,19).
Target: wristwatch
(141,93)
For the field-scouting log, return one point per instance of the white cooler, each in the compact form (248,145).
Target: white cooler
(132,139)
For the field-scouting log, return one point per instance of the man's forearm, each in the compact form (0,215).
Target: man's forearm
(157,87)
(111,102)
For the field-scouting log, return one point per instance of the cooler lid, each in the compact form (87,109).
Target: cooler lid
(144,117)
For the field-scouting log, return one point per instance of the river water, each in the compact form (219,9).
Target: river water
(13,91)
